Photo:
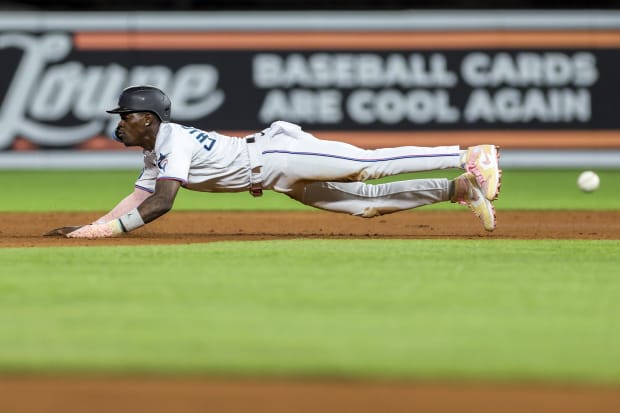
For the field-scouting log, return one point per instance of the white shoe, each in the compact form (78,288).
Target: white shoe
(468,192)
(483,162)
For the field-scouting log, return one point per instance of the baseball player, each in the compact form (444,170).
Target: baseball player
(324,174)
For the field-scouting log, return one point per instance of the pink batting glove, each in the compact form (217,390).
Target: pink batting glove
(109,229)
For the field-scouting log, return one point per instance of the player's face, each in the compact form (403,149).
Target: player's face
(132,128)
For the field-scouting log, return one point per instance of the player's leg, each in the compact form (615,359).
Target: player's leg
(294,155)
(307,158)
(338,161)
(367,200)
(312,159)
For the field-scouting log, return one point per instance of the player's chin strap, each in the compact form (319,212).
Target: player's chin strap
(256,163)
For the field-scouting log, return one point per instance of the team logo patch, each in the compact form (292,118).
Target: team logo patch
(162,162)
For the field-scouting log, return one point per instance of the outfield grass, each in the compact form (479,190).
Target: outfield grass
(101,190)
(443,309)
(426,309)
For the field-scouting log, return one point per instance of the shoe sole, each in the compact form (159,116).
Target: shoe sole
(493,213)
(494,219)
(499,178)
(473,209)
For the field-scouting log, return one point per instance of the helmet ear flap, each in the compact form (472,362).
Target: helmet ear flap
(165,116)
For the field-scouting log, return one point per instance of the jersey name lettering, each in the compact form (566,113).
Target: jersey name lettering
(202,136)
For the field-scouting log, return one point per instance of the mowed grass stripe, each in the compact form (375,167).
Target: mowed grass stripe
(451,309)
(102,190)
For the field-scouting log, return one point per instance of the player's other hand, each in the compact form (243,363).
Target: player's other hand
(108,229)
(62,231)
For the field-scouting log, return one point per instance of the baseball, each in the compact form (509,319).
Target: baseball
(588,181)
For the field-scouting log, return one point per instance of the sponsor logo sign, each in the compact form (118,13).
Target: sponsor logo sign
(517,89)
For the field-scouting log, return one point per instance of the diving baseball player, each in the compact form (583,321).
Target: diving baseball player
(324,174)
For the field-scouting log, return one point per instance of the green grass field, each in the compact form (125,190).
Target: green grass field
(101,190)
(540,311)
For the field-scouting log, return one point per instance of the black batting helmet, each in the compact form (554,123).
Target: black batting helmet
(144,99)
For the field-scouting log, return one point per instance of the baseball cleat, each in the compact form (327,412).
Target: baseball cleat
(467,191)
(483,162)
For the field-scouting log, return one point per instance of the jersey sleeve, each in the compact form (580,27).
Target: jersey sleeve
(147,179)
(173,158)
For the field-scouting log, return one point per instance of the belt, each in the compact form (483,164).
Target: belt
(256,163)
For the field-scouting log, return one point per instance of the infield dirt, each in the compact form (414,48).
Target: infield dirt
(25,229)
(44,394)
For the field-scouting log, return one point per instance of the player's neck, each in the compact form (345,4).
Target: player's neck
(151,137)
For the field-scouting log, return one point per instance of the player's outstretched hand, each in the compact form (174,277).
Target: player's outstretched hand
(62,231)
(108,229)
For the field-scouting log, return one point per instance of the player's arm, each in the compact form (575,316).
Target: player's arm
(161,201)
(128,203)
(150,209)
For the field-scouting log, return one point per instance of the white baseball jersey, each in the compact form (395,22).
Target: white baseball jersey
(201,161)
(320,173)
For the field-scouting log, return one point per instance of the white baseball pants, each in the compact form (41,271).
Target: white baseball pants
(329,174)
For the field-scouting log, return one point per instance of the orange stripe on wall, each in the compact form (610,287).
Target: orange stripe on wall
(505,139)
(601,140)
(344,40)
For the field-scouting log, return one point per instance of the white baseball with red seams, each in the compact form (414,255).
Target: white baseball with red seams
(588,181)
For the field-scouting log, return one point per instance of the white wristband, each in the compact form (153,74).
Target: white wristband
(131,220)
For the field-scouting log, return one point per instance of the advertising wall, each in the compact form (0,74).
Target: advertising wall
(520,80)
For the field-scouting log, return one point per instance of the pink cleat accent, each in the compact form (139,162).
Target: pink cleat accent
(483,162)
(467,191)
